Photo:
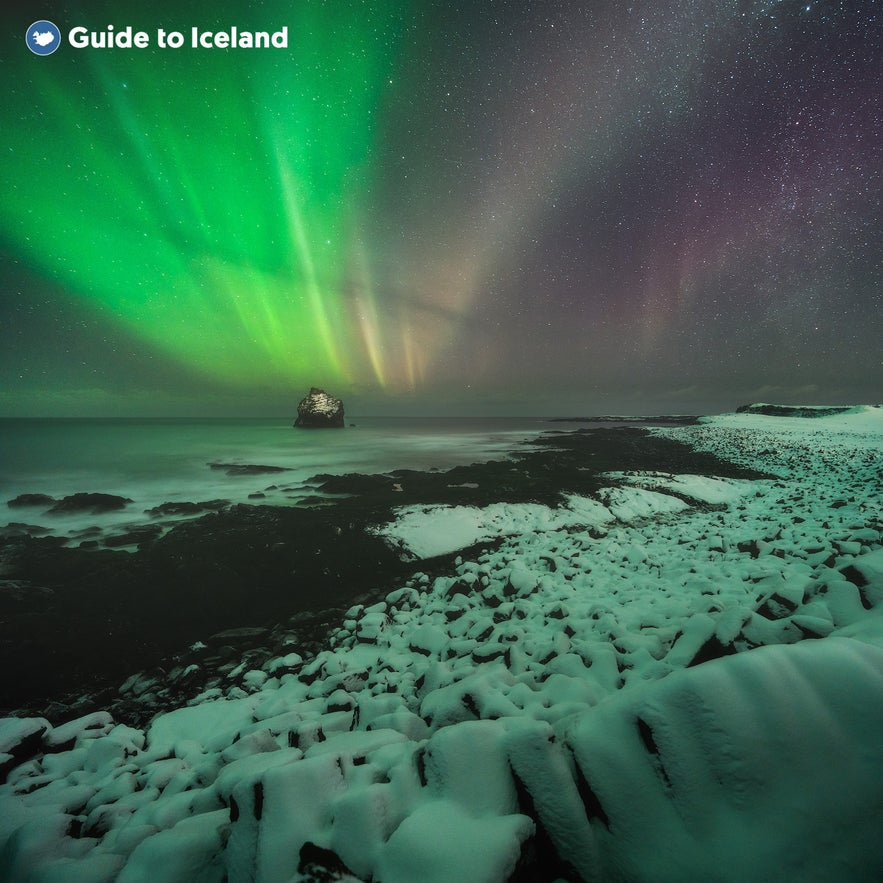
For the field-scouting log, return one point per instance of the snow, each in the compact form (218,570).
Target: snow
(189,850)
(438,843)
(428,531)
(699,488)
(200,728)
(762,764)
(14,731)
(787,445)
(629,504)
(678,677)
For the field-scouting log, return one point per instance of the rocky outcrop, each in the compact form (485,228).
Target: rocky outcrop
(30,500)
(319,411)
(248,468)
(94,503)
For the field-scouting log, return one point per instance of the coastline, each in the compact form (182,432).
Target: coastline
(84,620)
(631,660)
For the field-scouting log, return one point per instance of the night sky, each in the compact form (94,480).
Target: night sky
(445,207)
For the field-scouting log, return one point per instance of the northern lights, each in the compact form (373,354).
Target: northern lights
(508,207)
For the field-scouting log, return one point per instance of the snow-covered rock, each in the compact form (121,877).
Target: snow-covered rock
(319,410)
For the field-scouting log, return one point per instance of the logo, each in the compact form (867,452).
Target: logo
(43,38)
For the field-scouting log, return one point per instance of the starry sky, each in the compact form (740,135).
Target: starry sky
(507,208)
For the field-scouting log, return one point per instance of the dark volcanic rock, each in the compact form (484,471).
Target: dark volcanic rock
(22,740)
(321,864)
(99,614)
(319,411)
(19,528)
(187,508)
(241,632)
(30,500)
(111,613)
(247,468)
(134,537)
(94,503)
(17,590)
(658,420)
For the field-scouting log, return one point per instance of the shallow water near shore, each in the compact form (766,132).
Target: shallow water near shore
(255,564)
(153,461)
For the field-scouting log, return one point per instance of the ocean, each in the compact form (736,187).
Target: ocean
(154,461)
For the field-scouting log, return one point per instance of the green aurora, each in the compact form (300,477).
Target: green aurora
(508,207)
(211,201)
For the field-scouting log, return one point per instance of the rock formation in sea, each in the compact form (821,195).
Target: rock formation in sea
(319,411)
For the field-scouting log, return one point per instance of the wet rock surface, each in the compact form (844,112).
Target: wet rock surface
(110,613)
(186,508)
(94,503)
(23,500)
(248,468)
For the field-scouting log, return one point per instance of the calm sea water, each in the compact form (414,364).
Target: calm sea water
(155,461)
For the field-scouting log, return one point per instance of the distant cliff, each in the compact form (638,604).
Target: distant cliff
(794,410)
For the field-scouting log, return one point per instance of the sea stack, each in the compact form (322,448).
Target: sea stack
(319,411)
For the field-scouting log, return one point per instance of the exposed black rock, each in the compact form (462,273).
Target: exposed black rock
(247,468)
(711,649)
(543,861)
(854,575)
(591,803)
(109,613)
(20,589)
(777,606)
(134,537)
(30,500)
(237,633)
(94,503)
(101,615)
(322,865)
(319,410)
(749,546)
(187,508)
(24,741)
(658,420)
(20,528)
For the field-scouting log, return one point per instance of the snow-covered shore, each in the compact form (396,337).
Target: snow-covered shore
(680,677)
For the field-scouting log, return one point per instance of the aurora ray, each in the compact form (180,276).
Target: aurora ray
(454,203)
(218,232)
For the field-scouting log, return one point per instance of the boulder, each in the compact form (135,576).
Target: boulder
(94,503)
(30,500)
(319,411)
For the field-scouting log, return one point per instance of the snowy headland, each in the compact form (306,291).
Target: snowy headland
(663,676)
